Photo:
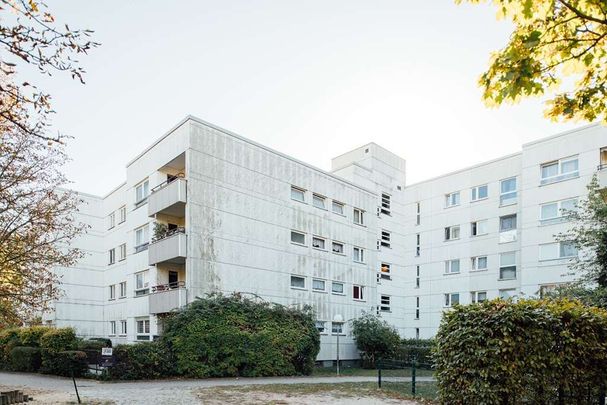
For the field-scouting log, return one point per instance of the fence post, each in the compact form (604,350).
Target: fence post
(602,395)
(413,364)
(378,374)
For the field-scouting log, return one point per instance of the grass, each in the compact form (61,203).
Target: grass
(355,371)
(425,391)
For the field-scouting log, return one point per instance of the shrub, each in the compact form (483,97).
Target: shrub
(145,360)
(23,358)
(70,361)
(375,339)
(54,342)
(526,352)
(221,336)
(92,348)
(416,349)
(107,342)
(9,338)
(31,336)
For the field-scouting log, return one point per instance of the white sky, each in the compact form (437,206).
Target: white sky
(311,79)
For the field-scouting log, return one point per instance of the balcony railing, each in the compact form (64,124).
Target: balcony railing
(602,166)
(167,297)
(168,198)
(171,248)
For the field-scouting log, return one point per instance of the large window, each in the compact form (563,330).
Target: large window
(557,250)
(479,193)
(452,232)
(358,255)
(298,282)
(557,209)
(452,266)
(508,223)
(298,194)
(508,266)
(141,283)
(385,204)
(451,299)
(452,199)
(143,329)
(508,191)
(559,170)
(142,238)
(142,191)
(478,296)
(359,216)
(479,263)
(478,228)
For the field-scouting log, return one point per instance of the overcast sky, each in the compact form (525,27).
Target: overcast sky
(312,79)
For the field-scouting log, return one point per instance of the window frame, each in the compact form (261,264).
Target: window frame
(144,289)
(145,229)
(475,192)
(343,247)
(335,283)
(296,276)
(324,327)
(113,329)
(361,292)
(300,190)
(112,220)
(341,206)
(322,199)
(506,217)
(385,303)
(508,197)
(122,252)
(474,227)
(122,214)
(360,218)
(448,301)
(324,285)
(475,260)
(322,246)
(474,296)
(145,187)
(449,266)
(386,204)
(560,213)
(122,289)
(299,234)
(507,266)
(361,255)
(112,256)
(112,288)
(385,239)
(123,327)
(450,199)
(449,231)
(560,175)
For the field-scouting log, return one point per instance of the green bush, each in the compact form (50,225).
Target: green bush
(375,339)
(92,348)
(416,349)
(221,336)
(107,342)
(145,360)
(54,342)
(9,338)
(531,351)
(31,336)
(70,361)
(23,358)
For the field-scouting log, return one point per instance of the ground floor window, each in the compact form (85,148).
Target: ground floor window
(143,329)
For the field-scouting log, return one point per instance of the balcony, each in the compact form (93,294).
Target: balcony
(167,297)
(602,174)
(171,248)
(168,198)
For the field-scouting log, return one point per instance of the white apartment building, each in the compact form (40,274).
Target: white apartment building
(206,210)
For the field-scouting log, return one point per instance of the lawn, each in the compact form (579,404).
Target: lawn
(336,393)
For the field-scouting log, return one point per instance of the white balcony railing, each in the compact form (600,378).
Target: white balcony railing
(168,198)
(170,249)
(167,297)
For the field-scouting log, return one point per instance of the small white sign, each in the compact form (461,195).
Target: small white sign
(106,351)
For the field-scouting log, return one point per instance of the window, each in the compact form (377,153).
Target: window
(416,307)
(546,289)
(384,303)
(337,287)
(338,248)
(320,326)
(416,333)
(112,292)
(122,214)
(337,207)
(478,296)
(384,271)
(122,252)
(452,199)
(143,329)
(111,220)
(508,266)
(112,256)
(123,289)
(359,216)
(385,239)
(508,191)
(318,285)
(559,170)
(452,232)
(417,268)
(122,328)
(142,190)
(318,201)
(507,223)
(479,263)
(603,158)
(557,250)
(478,228)
(451,299)
(141,283)
(298,194)
(112,328)
(337,328)
(417,245)
(418,208)
(142,238)
(358,292)
(452,266)
(385,204)
(318,243)
(359,255)
(298,282)
(479,193)
(298,238)
(507,293)
(557,209)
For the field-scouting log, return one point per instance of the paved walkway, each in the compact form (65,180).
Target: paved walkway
(160,391)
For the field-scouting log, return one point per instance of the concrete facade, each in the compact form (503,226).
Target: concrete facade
(206,210)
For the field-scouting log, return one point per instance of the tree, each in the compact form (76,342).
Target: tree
(375,338)
(552,40)
(589,235)
(37,223)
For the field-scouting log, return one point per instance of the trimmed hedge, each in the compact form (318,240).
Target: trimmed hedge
(416,349)
(532,351)
(106,342)
(226,336)
(54,342)
(9,338)
(68,362)
(27,359)
(31,336)
(145,360)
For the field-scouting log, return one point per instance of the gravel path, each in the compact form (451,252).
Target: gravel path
(159,391)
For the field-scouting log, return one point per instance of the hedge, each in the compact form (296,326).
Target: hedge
(23,358)
(222,336)
(532,351)
(375,339)
(31,336)
(145,360)
(416,349)
(54,342)
(9,338)
(69,361)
